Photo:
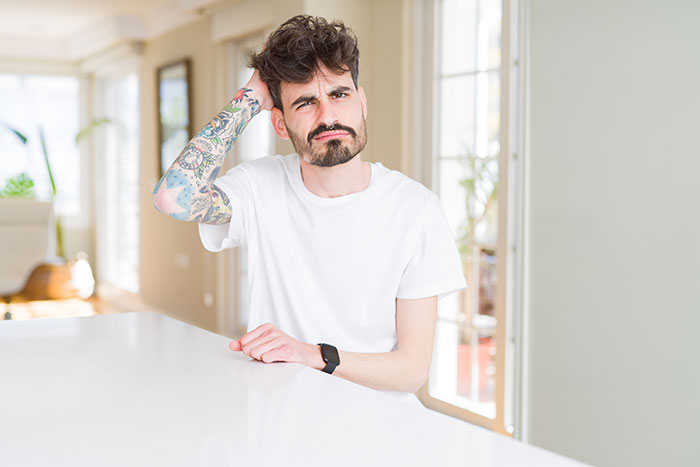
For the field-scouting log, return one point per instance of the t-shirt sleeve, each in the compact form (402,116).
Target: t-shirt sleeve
(235,183)
(436,266)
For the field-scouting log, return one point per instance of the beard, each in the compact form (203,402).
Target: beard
(332,152)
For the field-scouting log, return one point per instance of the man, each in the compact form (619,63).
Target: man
(341,252)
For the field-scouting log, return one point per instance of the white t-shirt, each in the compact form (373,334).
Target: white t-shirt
(330,269)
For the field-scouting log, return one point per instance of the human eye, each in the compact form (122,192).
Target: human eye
(340,95)
(303,104)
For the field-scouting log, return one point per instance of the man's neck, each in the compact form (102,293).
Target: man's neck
(339,180)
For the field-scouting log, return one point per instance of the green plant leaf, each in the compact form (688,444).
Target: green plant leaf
(46,159)
(19,135)
(19,186)
(90,127)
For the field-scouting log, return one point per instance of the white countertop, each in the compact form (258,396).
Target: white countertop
(144,389)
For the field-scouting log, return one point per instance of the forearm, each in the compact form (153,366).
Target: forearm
(388,371)
(405,369)
(186,191)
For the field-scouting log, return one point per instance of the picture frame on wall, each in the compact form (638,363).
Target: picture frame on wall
(174,96)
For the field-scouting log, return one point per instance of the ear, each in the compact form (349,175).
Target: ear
(363,99)
(277,118)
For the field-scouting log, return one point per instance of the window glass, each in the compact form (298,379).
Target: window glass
(467,148)
(457,36)
(118,211)
(457,115)
(49,103)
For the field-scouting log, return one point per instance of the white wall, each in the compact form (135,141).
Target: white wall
(377,24)
(615,225)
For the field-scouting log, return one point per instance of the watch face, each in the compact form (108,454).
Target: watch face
(330,354)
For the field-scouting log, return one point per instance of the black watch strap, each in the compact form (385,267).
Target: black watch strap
(330,355)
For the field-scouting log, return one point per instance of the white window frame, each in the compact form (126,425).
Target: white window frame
(117,62)
(510,329)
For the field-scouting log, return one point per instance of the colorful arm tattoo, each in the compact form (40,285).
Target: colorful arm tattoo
(187,192)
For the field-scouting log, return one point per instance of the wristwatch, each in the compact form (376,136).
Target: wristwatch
(330,356)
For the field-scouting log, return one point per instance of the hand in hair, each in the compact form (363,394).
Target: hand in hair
(260,91)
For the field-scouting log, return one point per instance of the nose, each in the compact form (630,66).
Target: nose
(326,113)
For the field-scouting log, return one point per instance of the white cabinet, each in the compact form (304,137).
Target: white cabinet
(27,237)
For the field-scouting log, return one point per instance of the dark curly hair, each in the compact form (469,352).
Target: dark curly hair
(295,51)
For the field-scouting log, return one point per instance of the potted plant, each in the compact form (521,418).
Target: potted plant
(54,278)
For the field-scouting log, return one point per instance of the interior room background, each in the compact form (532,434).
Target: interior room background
(559,135)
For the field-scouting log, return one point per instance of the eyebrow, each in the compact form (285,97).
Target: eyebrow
(311,97)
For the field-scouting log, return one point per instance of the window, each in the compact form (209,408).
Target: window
(467,373)
(30,102)
(117,189)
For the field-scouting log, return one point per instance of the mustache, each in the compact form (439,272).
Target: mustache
(323,128)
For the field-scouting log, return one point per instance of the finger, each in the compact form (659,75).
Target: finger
(279,354)
(264,339)
(255,333)
(235,346)
(260,348)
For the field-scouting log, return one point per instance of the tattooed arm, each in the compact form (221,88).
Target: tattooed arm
(187,191)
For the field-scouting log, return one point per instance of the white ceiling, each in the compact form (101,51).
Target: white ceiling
(69,30)
(59,18)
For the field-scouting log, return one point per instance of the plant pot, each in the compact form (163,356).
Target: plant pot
(50,281)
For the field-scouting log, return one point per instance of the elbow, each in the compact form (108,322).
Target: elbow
(418,375)
(165,201)
(159,201)
(416,370)
(418,381)
(158,196)
(154,199)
